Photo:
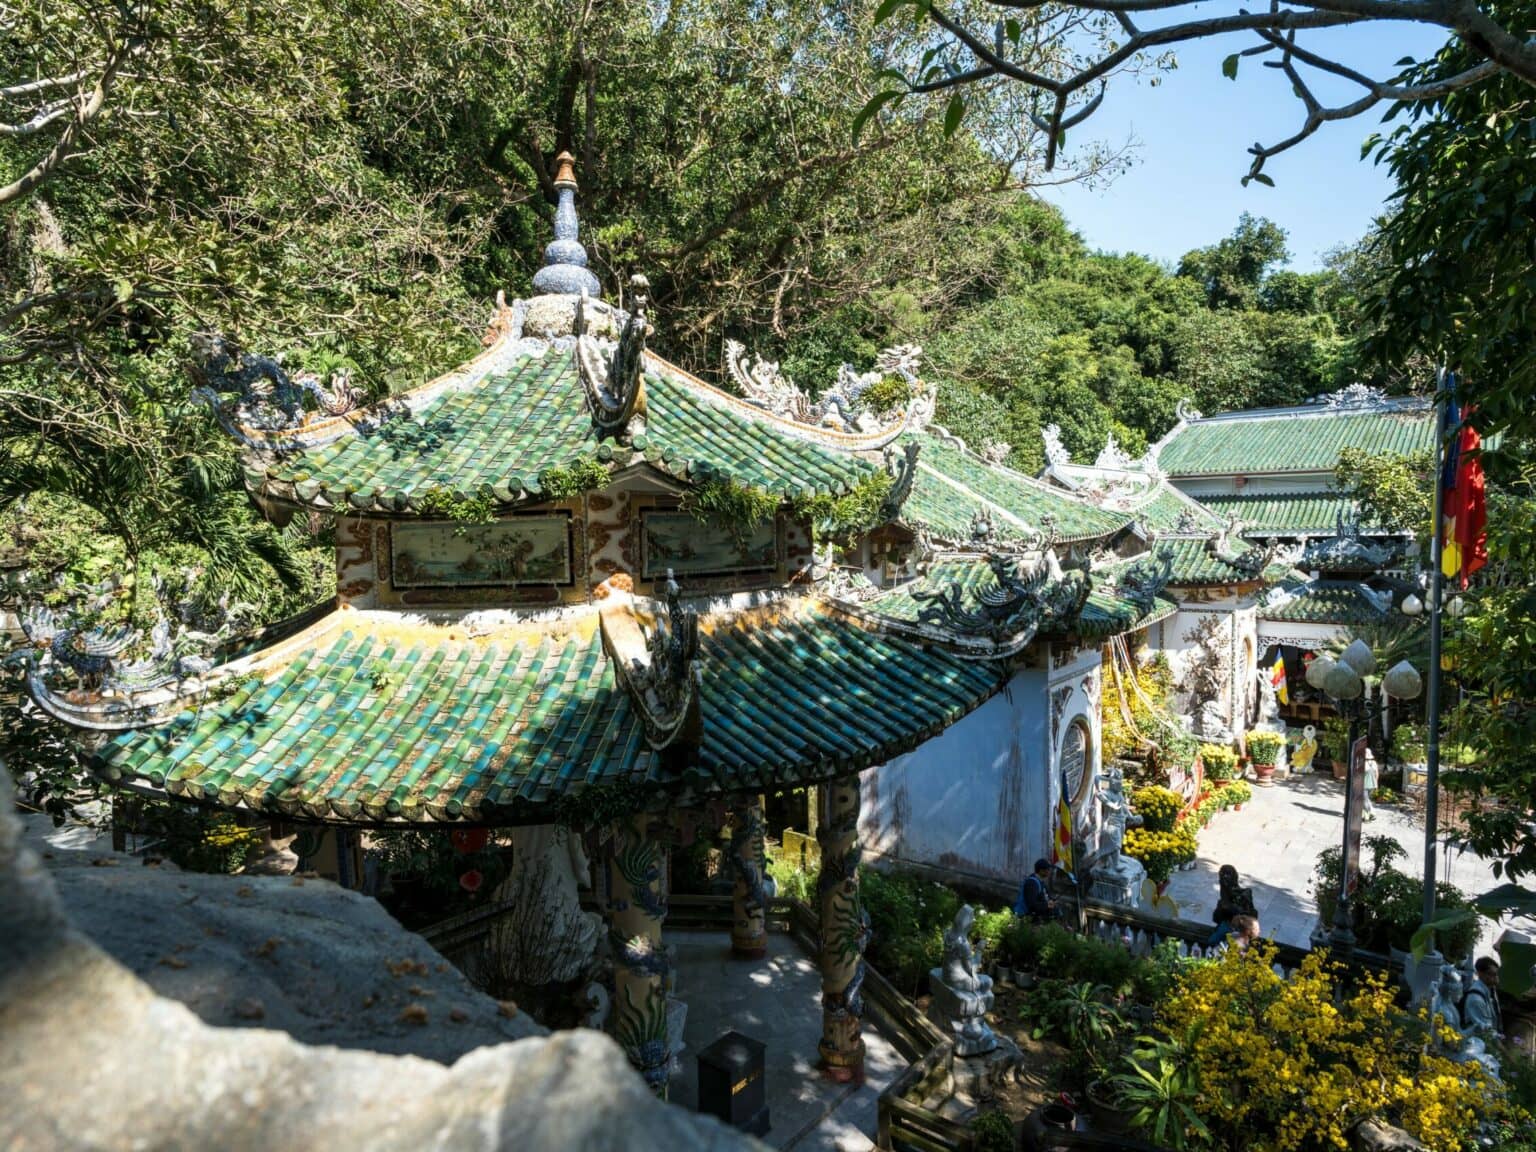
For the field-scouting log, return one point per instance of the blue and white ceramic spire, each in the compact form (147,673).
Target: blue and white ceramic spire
(565,269)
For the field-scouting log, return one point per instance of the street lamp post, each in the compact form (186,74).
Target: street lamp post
(1343,680)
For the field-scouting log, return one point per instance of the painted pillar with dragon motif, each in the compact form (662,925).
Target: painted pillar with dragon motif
(749,864)
(844,931)
(638,906)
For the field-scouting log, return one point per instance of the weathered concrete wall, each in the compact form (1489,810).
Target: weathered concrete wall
(976,799)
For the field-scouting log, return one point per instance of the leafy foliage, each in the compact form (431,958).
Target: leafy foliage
(585,475)
(841,517)
(1394,492)
(738,508)
(1388,904)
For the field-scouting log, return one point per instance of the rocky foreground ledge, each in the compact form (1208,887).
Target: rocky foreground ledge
(96,1058)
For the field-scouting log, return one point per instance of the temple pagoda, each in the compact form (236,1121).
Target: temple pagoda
(579,586)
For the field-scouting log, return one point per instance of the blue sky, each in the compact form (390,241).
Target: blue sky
(1193,130)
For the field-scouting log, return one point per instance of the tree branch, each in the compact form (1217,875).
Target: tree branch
(1276,27)
(69,139)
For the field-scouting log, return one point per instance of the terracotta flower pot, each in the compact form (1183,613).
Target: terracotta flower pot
(1264,775)
(1341,770)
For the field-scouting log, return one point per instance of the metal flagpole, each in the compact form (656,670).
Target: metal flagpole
(1444,391)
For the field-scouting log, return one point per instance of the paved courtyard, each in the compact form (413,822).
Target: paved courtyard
(1275,840)
(777,1000)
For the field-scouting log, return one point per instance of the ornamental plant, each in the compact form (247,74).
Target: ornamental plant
(1388,904)
(1235,793)
(1220,762)
(1264,747)
(1158,807)
(1292,1064)
(1160,852)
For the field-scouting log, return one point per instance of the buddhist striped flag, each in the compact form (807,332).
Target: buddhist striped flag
(1464,522)
(1277,679)
(1063,851)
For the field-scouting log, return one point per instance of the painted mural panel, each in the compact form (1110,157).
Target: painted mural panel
(692,547)
(507,553)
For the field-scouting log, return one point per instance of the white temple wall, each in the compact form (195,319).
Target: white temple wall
(1256,484)
(976,799)
(979,799)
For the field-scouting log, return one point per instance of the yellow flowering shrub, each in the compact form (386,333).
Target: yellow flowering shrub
(1285,1067)
(1160,852)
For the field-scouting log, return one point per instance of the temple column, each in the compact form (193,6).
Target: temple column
(844,931)
(749,864)
(637,907)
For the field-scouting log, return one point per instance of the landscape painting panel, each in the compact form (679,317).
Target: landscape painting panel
(692,547)
(526,550)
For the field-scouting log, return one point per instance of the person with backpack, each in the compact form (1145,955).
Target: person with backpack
(1035,896)
(1480,1005)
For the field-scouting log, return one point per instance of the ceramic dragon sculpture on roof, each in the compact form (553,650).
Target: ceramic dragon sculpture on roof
(1141,581)
(613,371)
(658,666)
(1347,549)
(247,391)
(1014,610)
(842,407)
(73,657)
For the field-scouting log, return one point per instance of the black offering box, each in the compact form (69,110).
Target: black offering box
(731,1083)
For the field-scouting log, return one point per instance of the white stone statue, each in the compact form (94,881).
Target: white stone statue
(1447,995)
(962,996)
(1269,714)
(1116,877)
(546,937)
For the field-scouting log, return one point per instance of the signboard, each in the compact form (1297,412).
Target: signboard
(692,547)
(503,554)
(1354,807)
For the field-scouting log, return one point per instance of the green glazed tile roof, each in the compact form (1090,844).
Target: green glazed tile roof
(1194,564)
(1332,602)
(378,721)
(1104,614)
(1285,514)
(952,485)
(1291,440)
(503,432)
(1167,508)
(808,694)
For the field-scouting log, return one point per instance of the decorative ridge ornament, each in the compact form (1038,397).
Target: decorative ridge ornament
(658,667)
(565,271)
(72,660)
(1347,549)
(841,407)
(902,468)
(612,372)
(1056,454)
(1141,581)
(1248,562)
(1112,455)
(1013,612)
(1357,397)
(263,396)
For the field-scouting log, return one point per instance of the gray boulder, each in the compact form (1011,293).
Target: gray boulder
(96,1059)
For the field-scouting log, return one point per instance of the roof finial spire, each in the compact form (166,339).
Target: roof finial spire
(565,260)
